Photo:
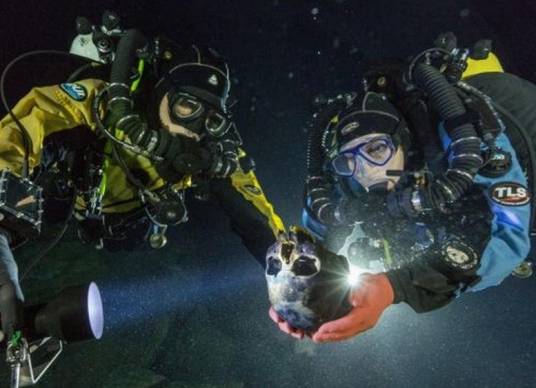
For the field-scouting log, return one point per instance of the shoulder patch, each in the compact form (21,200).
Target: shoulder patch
(348,128)
(213,80)
(76,91)
(510,194)
(253,189)
(459,255)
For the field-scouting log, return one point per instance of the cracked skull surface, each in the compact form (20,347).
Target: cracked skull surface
(307,284)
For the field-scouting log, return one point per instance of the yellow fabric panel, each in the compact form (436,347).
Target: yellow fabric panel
(489,65)
(249,187)
(43,111)
(46,110)
(118,189)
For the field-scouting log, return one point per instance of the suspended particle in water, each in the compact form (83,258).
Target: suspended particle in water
(315,11)
(465,13)
(336,43)
(290,75)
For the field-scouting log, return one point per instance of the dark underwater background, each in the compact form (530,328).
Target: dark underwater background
(195,313)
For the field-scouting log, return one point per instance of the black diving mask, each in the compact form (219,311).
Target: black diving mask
(197,115)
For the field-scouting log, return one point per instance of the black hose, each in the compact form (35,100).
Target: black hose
(76,74)
(121,106)
(464,153)
(51,245)
(46,250)
(317,195)
(126,58)
(26,139)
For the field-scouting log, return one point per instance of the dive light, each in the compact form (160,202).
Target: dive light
(74,315)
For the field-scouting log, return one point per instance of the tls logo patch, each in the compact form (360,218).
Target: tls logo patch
(510,194)
(76,91)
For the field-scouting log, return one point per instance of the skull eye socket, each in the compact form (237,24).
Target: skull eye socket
(273,266)
(304,266)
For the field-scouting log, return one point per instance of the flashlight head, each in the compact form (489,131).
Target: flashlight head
(75,314)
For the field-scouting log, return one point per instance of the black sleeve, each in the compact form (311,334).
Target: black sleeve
(251,225)
(450,265)
(427,287)
(432,281)
(518,97)
(513,93)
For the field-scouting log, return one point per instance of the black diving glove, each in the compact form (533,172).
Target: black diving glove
(399,204)
(11,298)
(224,158)
(182,156)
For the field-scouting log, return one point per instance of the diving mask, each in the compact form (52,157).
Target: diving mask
(376,150)
(196,115)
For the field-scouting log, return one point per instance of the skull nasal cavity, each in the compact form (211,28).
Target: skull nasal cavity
(286,251)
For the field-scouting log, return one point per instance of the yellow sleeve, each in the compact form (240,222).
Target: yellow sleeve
(43,111)
(249,187)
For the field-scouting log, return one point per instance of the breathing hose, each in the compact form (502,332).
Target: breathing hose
(464,156)
(317,198)
(120,104)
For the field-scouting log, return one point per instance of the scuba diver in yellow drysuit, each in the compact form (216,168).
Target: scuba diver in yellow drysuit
(120,153)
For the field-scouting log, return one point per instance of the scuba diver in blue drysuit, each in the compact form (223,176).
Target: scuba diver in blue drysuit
(425,179)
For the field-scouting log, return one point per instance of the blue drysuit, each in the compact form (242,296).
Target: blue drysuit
(489,225)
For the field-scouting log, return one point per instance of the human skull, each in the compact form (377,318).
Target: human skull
(307,284)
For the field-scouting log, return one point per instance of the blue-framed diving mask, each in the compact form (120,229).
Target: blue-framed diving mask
(377,151)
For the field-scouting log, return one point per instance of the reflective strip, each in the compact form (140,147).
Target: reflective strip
(140,135)
(416,202)
(227,169)
(229,141)
(446,190)
(321,209)
(115,99)
(118,84)
(465,139)
(125,119)
(473,156)
(317,189)
(219,166)
(460,172)
(319,200)
(152,142)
